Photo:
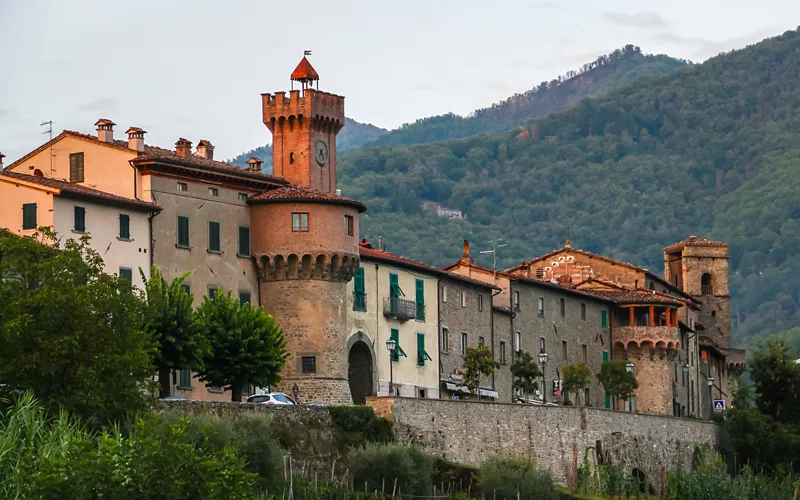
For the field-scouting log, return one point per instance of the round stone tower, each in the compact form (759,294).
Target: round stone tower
(305,240)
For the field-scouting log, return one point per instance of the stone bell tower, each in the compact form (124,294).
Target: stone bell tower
(305,240)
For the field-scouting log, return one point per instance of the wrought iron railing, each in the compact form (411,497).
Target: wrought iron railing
(396,307)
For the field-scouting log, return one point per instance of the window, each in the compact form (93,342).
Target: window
(463,299)
(187,287)
(540,306)
(463,344)
(583,312)
(394,287)
(182,186)
(126,274)
(706,284)
(713,314)
(213,192)
(444,293)
(480,302)
(244,298)
(244,241)
(502,353)
(398,351)
(348,225)
(603,319)
(79,218)
(445,339)
(563,308)
(421,393)
(212,291)
(213,237)
(542,345)
(185,379)
(564,353)
(516,300)
(76,167)
(309,364)
(420,296)
(517,341)
(586,400)
(299,221)
(124,227)
(291,158)
(585,353)
(183,232)
(29,216)
(359,291)
(242,196)
(422,354)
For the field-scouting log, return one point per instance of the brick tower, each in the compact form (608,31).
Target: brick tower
(305,240)
(700,267)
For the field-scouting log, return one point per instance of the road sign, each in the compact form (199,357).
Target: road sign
(719,405)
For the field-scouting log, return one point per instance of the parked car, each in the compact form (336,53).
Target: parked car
(273,398)
(315,404)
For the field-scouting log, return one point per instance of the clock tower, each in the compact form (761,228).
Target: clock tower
(304,125)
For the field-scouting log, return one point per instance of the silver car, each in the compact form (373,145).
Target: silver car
(273,398)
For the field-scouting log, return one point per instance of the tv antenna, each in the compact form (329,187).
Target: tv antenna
(50,132)
(493,251)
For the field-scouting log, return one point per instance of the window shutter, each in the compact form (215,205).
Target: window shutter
(420,292)
(421,348)
(80,219)
(29,216)
(394,288)
(213,236)
(359,280)
(396,337)
(76,167)
(244,241)
(183,231)
(604,319)
(124,226)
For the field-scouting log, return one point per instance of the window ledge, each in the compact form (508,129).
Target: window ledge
(124,239)
(218,252)
(80,232)
(241,256)
(215,390)
(184,388)
(183,247)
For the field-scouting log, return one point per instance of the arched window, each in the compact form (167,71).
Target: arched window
(707,284)
(38,173)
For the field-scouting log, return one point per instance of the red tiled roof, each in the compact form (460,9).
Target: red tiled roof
(634,297)
(300,194)
(304,71)
(135,130)
(502,309)
(71,189)
(694,241)
(104,121)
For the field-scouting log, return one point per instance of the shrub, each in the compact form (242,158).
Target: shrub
(360,425)
(379,465)
(451,476)
(505,478)
(259,447)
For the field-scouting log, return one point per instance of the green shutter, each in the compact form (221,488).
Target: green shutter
(393,285)
(396,337)
(420,286)
(605,358)
(186,379)
(604,319)
(80,219)
(244,298)
(126,274)
(359,294)
(124,226)
(183,231)
(213,236)
(244,241)
(422,354)
(359,280)
(29,216)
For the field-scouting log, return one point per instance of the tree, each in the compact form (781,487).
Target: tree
(68,332)
(616,379)
(246,344)
(478,363)
(526,374)
(169,319)
(576,378)
(776,380)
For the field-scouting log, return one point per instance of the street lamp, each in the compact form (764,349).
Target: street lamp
(710,395)
(686,376)
(391,345)
(543,362)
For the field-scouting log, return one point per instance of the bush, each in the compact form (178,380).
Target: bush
(360,425)
(505,478)
(379,465)
(451,476)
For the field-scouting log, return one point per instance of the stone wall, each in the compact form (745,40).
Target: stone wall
(555,437)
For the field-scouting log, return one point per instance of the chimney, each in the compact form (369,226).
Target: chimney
(183,147)
(136,138)
(1,160)
(466,259)
(381,247)
(254,164)
(105,130)
(205,150)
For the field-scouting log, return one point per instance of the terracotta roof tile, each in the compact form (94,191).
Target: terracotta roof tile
(304,71)
(634,296)
(77,190)
(296,193)
(694,241)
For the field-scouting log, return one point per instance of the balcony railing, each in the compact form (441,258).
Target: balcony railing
(359,301)
(395,307)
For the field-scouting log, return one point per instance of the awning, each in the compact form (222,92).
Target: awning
(462,388)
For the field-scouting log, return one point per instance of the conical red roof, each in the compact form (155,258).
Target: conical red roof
(304,71)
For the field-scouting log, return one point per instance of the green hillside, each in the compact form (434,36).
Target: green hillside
(711,150)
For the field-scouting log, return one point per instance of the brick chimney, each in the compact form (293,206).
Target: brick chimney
(105,130)
(183,147)
(254,164)
(136,138)
(205,150)
(466,259)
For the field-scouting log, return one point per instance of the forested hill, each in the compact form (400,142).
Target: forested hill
(711,150)
(606,73)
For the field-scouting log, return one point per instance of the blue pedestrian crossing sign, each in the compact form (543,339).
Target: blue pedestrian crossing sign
(719,405)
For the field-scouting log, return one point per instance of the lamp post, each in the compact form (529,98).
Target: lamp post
(629,368)
(391,344)
(686,376)
(710,396)
(543,362)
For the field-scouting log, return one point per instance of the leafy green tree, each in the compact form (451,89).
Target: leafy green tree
(576,378)
(478,364)
(526,373)
(68,332)
(776,380)
(246,344)
(616,379)
(170,321)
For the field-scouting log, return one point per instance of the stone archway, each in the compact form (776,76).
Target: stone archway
(361,368)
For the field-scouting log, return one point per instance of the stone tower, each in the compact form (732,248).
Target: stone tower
(305,240)
(700,267)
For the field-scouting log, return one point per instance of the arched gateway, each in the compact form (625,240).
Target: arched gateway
(361,372)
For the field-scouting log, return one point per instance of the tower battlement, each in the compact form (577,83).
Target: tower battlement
(309,107)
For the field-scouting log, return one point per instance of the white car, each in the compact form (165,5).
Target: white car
(273,398)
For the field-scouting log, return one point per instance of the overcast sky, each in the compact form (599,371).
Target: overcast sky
(196,68)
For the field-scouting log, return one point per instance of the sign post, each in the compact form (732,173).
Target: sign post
(719,405)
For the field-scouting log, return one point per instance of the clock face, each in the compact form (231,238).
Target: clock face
(321,152)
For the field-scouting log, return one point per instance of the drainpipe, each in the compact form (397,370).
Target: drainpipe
(377,327)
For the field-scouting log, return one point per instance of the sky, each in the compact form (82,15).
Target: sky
(196,68)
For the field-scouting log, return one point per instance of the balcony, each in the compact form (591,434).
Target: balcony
(395,307)
(359,301)
(659,337)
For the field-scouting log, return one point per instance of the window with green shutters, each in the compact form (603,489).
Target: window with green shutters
(244,241)
(126,274)
(185,379)
(124,227)
(394,287)
(213,237)
(398,351)
(76,167)
(420,300)
(359,292)
(29,216)
(183,232)
(79,219)
(244,298)
(422,355)
(608,395)
(604,319)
